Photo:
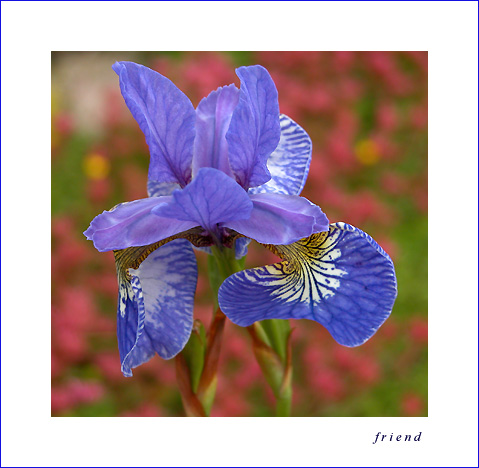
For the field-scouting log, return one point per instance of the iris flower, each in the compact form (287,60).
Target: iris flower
(220,175)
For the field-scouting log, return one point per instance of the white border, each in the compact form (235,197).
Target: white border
(30,30)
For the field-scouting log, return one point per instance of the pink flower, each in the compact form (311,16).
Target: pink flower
(328,383)
(387,116)
(412,405)
(145,410)
(85,392)
(367,370)
(418,330)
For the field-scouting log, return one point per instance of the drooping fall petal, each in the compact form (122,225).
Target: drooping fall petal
(155,307)
(342,279)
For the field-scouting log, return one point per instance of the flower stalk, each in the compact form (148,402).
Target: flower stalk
(191,403)
(277,370)
(207,385)
(199,359)
(271,338)
(197,365)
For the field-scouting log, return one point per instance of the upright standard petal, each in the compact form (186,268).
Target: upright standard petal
(133,224)
(254,130)
(166,117)
(280,219)
(211,198)
(213,117)
(155,305)
(342,279)
(289,162)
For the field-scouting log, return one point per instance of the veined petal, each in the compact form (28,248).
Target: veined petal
(280,219)
(254,130)
(160,189)
(133,224)
(130,326)
(155,307)
(213,117)
(166,117)
(342,279)
(211,198)
(289,162)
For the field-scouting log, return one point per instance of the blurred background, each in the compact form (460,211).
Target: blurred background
(366,113)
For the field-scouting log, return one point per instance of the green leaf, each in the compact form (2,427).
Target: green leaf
(277,332)
(194,353)
(208,396)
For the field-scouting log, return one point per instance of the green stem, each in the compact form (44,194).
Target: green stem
(220,265)
(225,261)
(271,337)
(259,330)
(283,402)
(277,332)
(277,372)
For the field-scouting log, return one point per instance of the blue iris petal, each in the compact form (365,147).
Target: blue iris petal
(133,224)
(211,198)
(241,247)
(166,117)
(254,131)
(289,162)
(280,219)
(130,327)
(155,310)
(343,280)
(213,117)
